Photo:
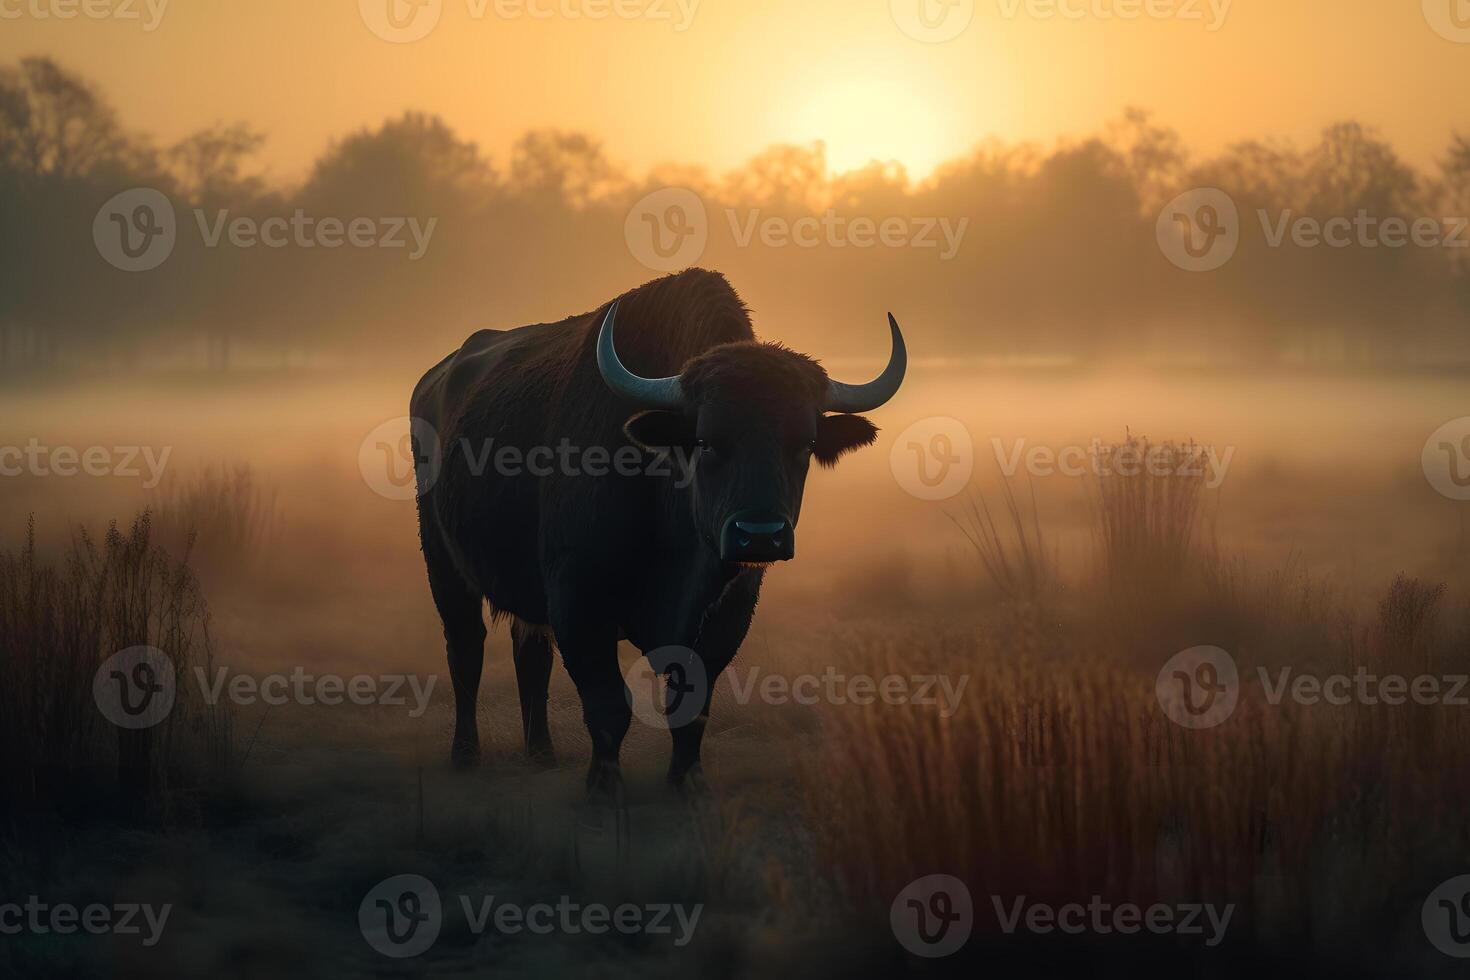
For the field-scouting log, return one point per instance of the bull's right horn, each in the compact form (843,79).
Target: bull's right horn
(862,398)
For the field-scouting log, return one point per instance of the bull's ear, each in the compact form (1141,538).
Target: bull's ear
(660,430)
(841,434)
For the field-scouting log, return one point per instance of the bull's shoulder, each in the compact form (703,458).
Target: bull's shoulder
(472,371)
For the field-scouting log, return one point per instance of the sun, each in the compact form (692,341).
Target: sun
(871,118)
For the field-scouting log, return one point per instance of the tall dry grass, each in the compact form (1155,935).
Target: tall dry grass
(59,621)
(1061,777)
(1015,554)
(1146,505)
(222,516)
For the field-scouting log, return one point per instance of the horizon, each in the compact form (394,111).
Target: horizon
(857,83)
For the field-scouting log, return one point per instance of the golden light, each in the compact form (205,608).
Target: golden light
(866,118)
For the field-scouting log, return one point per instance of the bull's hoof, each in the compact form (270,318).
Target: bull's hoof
(605,785)
(691,784)
(465,754)
(542,756)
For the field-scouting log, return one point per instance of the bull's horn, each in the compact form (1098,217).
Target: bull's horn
(646,392)
(862,398)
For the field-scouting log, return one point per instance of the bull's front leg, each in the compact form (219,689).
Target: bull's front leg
(590,653)
(719,639)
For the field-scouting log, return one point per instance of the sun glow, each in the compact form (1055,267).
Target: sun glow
(865,119)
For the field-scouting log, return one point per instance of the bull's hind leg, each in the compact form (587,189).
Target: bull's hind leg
(533,677)
(460,608)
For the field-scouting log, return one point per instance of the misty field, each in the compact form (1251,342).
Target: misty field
(1043,766)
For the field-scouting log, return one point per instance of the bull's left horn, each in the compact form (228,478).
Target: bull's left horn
(863,398)
(646,392)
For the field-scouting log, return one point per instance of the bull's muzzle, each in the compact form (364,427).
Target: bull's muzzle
(749,537)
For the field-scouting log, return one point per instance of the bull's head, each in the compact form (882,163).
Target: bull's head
(756,414)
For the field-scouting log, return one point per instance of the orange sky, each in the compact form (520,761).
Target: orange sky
(713,81)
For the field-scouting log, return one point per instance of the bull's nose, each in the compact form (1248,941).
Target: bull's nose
(757,538)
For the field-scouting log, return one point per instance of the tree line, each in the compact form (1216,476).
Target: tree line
(1058,252)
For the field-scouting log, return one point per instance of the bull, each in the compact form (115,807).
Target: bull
(580,562)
